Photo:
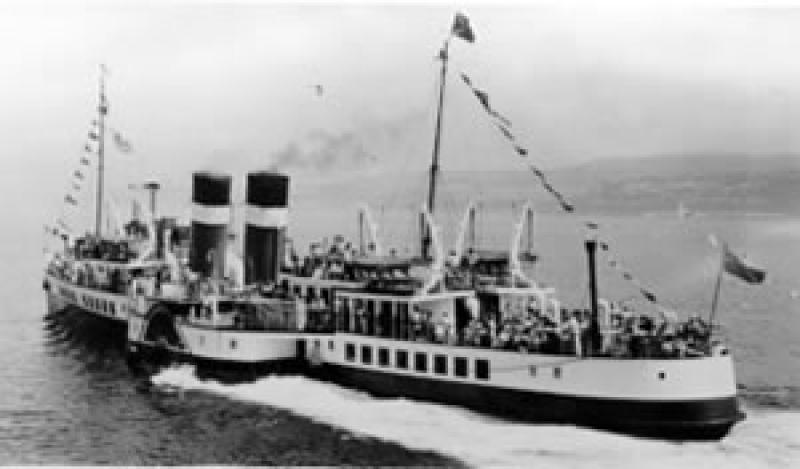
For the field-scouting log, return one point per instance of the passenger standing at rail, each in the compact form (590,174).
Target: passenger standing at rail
(574,327)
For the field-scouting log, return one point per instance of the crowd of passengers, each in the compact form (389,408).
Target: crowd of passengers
(327,260)
(334,261)
(627,335)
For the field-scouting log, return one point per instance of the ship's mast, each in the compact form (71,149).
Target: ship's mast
(102,110)
(434,171)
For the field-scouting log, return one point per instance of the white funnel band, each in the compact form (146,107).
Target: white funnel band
(267,217)
(211,214)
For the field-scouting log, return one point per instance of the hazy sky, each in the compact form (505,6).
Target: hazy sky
(199,85)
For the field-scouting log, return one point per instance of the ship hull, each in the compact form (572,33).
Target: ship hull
(704,419)
(77,316)
(157,340)
(691,399)
(149,359)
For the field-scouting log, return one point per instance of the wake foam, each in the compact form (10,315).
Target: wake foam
(766,439)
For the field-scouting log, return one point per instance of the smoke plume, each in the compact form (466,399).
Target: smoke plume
(322,151)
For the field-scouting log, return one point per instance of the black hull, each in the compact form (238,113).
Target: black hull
(149,359)
(709,419)
(78,318)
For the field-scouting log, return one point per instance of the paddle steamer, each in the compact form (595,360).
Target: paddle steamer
(467,327)
(99,274)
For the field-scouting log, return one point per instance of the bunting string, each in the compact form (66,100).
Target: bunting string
(617,265)
(503,125)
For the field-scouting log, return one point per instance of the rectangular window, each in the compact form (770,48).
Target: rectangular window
(383,356)
(226,306)
(482,369)
(401,359)
(557,372)
(460,365)
(421,362)
(532,370)
(330,345)
(366,354)
(350,352)
(402,319)
(440,364)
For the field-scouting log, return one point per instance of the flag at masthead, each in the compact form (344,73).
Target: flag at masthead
(461,29)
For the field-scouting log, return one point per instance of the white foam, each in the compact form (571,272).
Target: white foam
(765,439)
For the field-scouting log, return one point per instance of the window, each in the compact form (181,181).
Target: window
(440,364)
(401,359)
(662,376)
(482,369)
(366,354)
(532,371)
(113,308)
(402,319)
(330,345)
(383,356)
(233,343)
(226,306)
(557,372)
(350,352)
(421,362)
(460,367)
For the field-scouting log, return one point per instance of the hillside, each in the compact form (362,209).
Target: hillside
(764,184)
(769,184)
